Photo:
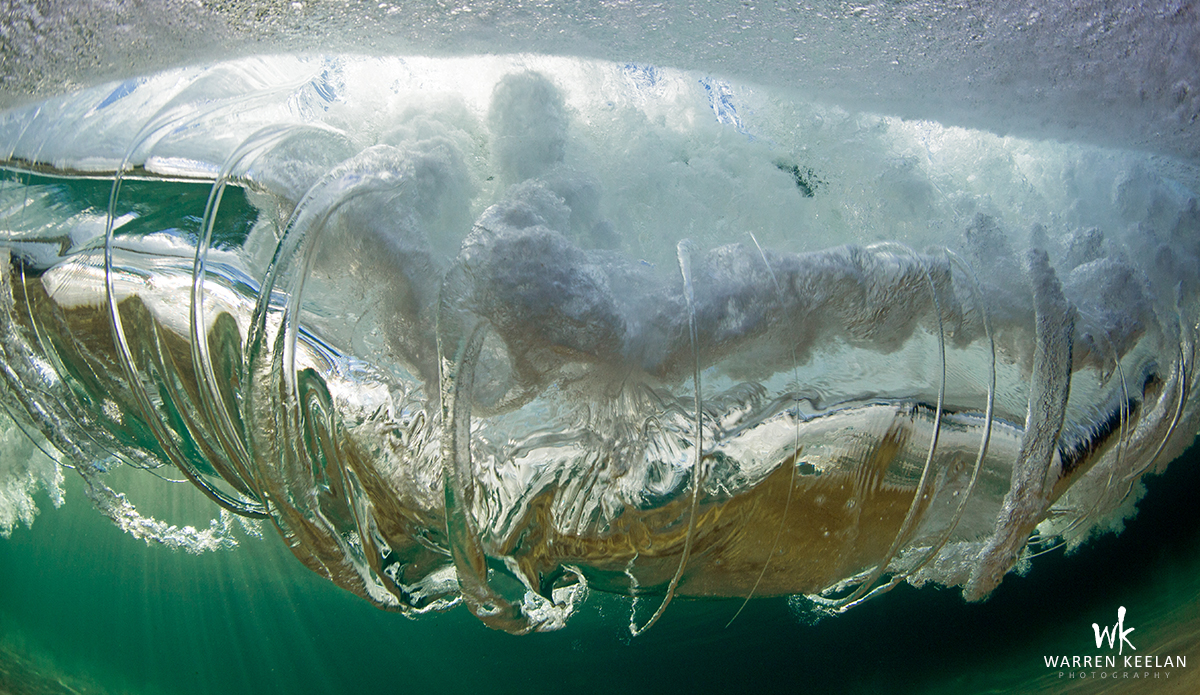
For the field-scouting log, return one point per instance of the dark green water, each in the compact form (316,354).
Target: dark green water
(82,603)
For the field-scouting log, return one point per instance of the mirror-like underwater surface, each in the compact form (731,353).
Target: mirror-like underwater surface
(518,332)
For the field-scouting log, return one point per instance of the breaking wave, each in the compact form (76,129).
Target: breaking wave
(503,330)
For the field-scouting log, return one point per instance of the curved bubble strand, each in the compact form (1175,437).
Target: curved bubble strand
(795,459)
(684,250)
(867,588)
(68,400)
(1051,379)
(470,560)
(238,460)
(214,404)
(988,417)
(15,142)
(1181,380)
(460,341)
(866,591)
(112,504)
(1082,519)
(1187,358)
(175,114)
(15,383)
(12,414)
(304,437)
(137,387)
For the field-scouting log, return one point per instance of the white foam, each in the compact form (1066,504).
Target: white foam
(25,471)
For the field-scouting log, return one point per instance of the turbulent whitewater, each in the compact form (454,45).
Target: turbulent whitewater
(501,330)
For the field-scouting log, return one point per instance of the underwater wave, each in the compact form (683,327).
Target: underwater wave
(500,331)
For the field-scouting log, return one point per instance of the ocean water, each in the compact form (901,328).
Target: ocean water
(84,608)
(689,183)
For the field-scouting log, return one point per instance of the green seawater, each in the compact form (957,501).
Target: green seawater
(84,608)
(144,206)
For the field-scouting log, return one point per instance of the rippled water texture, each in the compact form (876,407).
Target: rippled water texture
(504,331)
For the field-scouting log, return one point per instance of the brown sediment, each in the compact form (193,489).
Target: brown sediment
(837,524)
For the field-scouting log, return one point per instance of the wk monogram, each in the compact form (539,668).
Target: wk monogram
(1117,633)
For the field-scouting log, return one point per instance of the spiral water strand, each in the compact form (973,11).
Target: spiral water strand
(215,404)
(684,250)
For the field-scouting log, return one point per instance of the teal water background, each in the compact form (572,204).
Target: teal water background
(102,612)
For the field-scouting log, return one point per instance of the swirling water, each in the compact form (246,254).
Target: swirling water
(479,331)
